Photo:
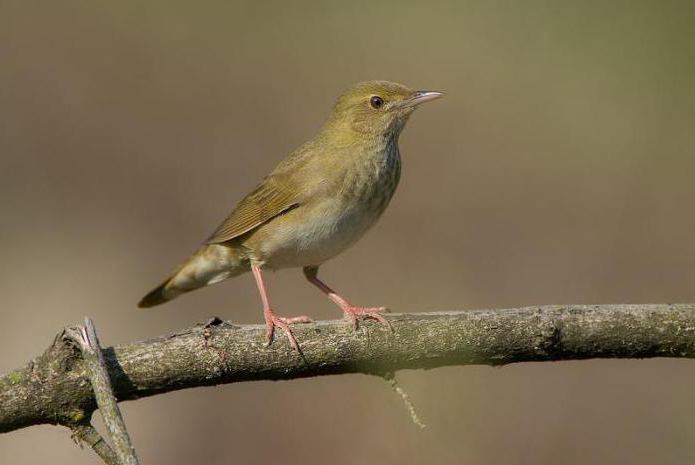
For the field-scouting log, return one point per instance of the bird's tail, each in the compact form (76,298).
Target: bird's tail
(209,265)
(157,296)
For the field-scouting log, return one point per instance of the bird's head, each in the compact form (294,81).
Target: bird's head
(377,108)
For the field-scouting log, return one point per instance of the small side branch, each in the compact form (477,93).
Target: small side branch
(93,357)
(84,433)
(409,406)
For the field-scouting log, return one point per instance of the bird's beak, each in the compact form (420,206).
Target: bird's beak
(420,96)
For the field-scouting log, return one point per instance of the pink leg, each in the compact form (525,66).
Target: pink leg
(272,320)
(351,311)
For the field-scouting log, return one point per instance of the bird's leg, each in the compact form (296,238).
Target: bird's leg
(352,312)
(272,320)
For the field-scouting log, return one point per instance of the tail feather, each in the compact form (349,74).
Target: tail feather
(156,296)
(209,265)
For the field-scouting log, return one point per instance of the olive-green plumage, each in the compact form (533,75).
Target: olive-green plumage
(318,201)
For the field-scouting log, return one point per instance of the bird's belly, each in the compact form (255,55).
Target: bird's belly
(310,237)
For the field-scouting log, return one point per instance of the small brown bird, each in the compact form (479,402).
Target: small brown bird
(316,203)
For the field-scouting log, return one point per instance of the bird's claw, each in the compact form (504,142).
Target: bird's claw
(354,313)
(284,323)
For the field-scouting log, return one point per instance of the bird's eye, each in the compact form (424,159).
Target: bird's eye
(376,102)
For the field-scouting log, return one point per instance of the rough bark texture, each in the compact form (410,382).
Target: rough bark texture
(55,388)
(85,433)
(85,337)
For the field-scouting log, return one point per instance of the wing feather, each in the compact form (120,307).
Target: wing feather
(270,199)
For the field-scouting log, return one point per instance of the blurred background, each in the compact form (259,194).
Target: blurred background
(558,169)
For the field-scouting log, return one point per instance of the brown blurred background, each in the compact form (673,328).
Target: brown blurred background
(558,169)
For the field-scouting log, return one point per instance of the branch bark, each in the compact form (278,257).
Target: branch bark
(85,433)
(85,337)
(54,387)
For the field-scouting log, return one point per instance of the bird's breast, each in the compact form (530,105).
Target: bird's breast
(328,224)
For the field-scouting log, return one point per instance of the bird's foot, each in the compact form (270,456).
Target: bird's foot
(354,313)
(272,320)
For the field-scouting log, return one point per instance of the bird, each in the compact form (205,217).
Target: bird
(315,203)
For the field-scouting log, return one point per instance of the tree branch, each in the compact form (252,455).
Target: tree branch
(55,388)
(86,339)
(85,433)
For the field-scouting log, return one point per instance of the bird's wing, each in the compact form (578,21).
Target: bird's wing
(271,198)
